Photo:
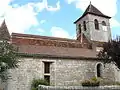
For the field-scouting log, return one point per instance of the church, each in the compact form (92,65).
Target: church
(62,61)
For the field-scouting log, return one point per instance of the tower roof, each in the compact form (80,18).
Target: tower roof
(92,10)
(4,33)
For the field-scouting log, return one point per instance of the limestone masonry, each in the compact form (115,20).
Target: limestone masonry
(61,61)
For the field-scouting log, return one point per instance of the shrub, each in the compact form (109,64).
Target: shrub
(92,82)
(37,82)
(117,83)
(109,83)
(34,89)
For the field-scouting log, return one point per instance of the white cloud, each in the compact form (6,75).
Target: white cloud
(108,7)
(3,6)
(114,23)
(70,1)
(44,5)
(59,32)
(40,6)
(50,8)
(20,18)
(42,21)
(1,20)
(40,30)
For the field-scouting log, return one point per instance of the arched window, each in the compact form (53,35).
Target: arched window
(84,25)
(103,23)
(99,70)
(96,24)
(104,26)
(79,28)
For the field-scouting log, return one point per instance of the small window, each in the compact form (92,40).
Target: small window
(84,25)
(46,67)
(96,24)
(99,70)
(47,71)
(104,26)
(79,28)
(47,78)
(103,23)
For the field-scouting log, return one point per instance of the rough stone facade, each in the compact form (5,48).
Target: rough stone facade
(63,72)
(91,33)
(71,62)
(42,87)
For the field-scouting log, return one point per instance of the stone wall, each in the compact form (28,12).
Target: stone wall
(42,87)
(99,35)
(28,69)
(63,72)
(72,72)
(91,33)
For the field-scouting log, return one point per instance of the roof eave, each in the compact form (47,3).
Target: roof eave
(100,15)
(79,18)
(93,14)
(54,56)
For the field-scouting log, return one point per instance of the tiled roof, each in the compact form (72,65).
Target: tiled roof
(56,51)
(42,37)
(34,44)
(92,10)
(27,39)
(4,34)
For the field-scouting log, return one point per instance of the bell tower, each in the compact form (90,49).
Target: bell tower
(93,26)
(4,33)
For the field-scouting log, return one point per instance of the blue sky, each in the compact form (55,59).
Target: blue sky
(53,17)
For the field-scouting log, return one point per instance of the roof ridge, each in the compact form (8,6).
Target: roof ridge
(91,9)
(39,36)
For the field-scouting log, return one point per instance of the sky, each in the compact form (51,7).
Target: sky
(54,17)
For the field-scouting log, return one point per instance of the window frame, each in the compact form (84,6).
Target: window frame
(46,67)
(104,26)
(99,70)
(84,25)
(79,28)
(47,78)
(96,24)
(104,23)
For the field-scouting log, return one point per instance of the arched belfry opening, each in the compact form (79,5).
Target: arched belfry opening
(99,70)
(94,26)
(103,23)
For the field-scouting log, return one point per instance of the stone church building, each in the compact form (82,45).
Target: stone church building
(62,61)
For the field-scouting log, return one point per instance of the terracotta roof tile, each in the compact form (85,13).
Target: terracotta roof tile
(25,39)
(56,51)
(41,37)
(32,44)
